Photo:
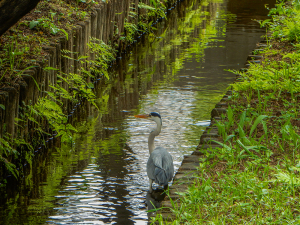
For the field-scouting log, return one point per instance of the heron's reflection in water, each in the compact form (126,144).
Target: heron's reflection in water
(153,201)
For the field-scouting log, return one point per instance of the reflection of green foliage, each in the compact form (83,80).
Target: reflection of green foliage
(87,146)
(229,17)
(185,33)
(157,11)
(43,200)
(203,104)
(187,27)
(114,144)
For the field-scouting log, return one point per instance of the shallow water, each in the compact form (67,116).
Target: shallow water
(177,71)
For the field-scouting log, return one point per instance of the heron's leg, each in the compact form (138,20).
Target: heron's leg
(166,187)
(150,187)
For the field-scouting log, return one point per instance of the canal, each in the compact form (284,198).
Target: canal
(178,71)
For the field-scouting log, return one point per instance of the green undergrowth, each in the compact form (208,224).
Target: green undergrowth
(22,46)
(253,177)
(50,111)
(155,10)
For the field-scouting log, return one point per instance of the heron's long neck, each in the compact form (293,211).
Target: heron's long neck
(152,135)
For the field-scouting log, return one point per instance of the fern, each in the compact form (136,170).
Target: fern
(104,55)
(145,6)
(10,167)
(7,151)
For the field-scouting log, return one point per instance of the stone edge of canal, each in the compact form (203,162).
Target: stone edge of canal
(186,172)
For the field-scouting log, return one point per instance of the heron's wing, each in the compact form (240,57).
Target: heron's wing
(160,166)
(154,162)
(168,165)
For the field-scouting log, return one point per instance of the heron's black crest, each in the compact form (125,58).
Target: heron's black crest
(155,114)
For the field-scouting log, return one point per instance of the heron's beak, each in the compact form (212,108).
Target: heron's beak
(145,116)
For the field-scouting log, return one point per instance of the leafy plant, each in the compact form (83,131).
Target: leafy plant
(130,31)
(157,11)
(48,24)
(104,55)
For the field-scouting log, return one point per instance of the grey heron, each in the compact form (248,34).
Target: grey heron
(160,168)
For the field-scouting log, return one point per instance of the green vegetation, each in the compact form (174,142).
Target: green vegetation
(22,44)
(155,10)
(19,53)
(254,177)
(49,110)
(52,19)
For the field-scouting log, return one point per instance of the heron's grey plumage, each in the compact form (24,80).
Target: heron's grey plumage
(160,168)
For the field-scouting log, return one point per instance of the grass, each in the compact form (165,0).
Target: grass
(247,181)
(253,178)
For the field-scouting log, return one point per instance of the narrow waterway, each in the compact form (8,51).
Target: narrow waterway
(178,71)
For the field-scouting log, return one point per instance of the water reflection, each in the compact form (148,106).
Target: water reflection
(179,72)
(153,201)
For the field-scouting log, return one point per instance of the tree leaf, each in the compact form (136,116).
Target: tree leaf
(70,127)
(49,68)
(33,23)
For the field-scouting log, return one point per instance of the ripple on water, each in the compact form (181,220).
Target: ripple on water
(76,180)
(92,222)
(61,196)
(136,192)
(204,123)
(75,176)
(88,174)
(60,217)
(87,209)
(90,199)
(83,196)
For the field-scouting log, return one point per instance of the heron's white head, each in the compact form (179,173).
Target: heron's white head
(151,116)
(156,118)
